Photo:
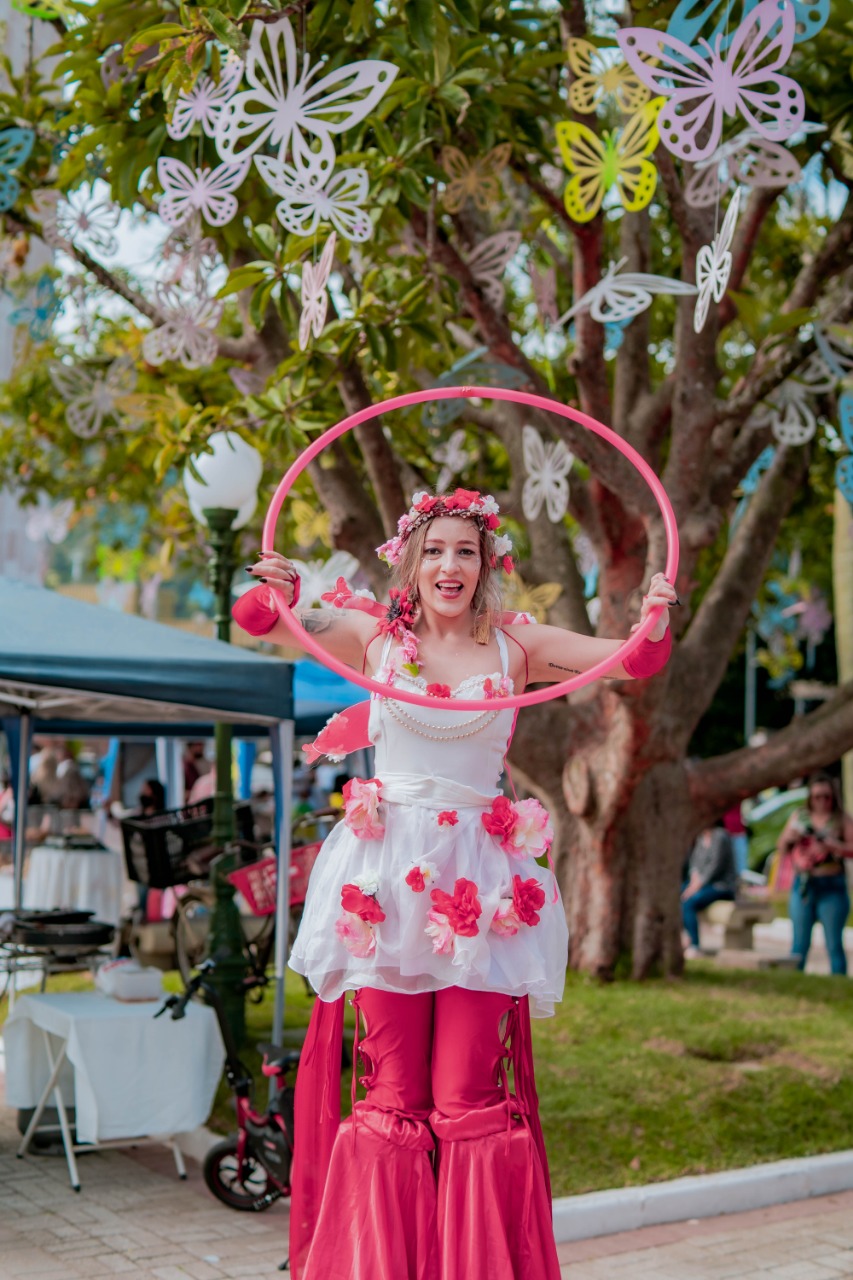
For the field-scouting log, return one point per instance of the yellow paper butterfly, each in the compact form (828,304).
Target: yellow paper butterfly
(612,160)
(311,525)
(597,74)
(535,600)
(473,179)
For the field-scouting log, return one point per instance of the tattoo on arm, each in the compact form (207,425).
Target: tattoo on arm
(315,621)
(571,670)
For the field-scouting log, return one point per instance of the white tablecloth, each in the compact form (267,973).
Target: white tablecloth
(130,1076)
(84,879)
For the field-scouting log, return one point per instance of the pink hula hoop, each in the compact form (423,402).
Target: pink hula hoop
(633,642)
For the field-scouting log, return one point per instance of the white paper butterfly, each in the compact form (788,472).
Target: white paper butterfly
(618,298)
(488,262)
(547,468)
(714,265)
(50,522)
(747,158)
(306,202)
(318,576)
(204,102)
(790,410)
(91,395)
(78,220)
(315,299)
(188,191)
(453,456)
(188,334)
(289,110)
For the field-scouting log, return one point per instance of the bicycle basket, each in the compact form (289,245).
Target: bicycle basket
(302,859)
(158,849)
(257,883)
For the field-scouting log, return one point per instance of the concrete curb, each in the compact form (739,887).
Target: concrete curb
(603,1213)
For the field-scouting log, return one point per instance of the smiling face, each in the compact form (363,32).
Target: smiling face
(449,571)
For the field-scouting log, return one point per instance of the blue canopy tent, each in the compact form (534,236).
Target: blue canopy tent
(75,669)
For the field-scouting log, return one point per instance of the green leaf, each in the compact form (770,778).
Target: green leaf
(241,278)
(420,20)
(466,13)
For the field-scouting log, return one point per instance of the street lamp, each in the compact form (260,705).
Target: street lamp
(222,488)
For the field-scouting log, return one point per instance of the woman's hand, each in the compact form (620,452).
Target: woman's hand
(277,571)
(661,593)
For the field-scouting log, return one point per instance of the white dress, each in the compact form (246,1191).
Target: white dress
(453,773)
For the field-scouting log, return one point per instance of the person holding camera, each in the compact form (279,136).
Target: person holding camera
(819,838)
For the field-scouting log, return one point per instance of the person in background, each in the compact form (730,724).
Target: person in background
(152,797)
(819,838)
(734,824)
(711,877)
(7,806)
(194,765)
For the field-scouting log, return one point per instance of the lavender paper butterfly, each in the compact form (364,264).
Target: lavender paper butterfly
(705,87)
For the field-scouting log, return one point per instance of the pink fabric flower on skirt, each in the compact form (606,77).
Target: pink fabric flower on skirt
(447,818)
(505,922)
(361,808)
(418,876)
(441,933)
(363,905)
(356,934)
(528,899)
(462,907)
(499,820)
(533,834)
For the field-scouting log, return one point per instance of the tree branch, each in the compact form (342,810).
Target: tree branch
(760,203)
(378,455)
(808,742)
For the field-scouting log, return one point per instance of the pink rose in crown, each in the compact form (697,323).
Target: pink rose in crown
(361,808)
(447,818)
(528,899)
(505,922)
(461,499)
(441,933)
(499,820)
(361,904)
(462,907)
(357,935)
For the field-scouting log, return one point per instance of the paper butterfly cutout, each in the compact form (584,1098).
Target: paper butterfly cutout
(312,524)
(472,370)
(453,456)
(535,600)
(475,180)
(844,477)
(617,298)
(289,109)
(692,19)
(188,332)
(317,577)
(714,265)
(16,147)
(544,284)
(247,382)
(597,74)
(306,203)
(836,353)
(747,158)
(204,103)
(753,476)
(547,467)
(50,522)
(91,396)
(488,262)
(702,90)
(789,410)
(114,69)
(619,160)
(845,418)
(82,220)
(188,191)
(190,255)
(587,562)
(38,315)
(315,299)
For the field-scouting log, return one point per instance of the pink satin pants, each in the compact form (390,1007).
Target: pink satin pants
(436,1176)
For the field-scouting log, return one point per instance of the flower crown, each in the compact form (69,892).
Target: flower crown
(467,503)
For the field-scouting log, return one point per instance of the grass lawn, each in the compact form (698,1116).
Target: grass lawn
(643,1082)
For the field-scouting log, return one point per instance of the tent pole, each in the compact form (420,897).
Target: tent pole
(281,740)
(21,805)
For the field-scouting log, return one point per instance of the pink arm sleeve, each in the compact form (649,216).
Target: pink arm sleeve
(651,657)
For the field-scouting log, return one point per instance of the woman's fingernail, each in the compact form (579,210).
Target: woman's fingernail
(261,579)
(248,568)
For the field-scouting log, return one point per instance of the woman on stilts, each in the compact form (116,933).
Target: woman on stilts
(428,903)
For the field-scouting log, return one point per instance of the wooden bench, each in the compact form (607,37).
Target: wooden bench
(738,919)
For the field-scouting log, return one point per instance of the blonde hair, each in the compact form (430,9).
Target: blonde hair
(487,602)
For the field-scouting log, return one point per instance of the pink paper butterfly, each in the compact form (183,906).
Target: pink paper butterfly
(702,90)
(315,299)
(189,190)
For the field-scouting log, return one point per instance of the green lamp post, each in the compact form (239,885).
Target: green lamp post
(223,494)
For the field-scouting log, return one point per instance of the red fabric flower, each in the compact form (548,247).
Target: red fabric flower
(528,898)
(438,690)
(462,907)
(500,819)
(366,908)
(400,614)
(428,504)
(461,499)
(448,818)
(415,880)
(507,564)
(492,521)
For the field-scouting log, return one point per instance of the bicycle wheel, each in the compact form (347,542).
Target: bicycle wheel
(250,1189)
(192,933)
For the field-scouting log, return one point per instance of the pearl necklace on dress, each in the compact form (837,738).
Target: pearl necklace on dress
(445,734)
